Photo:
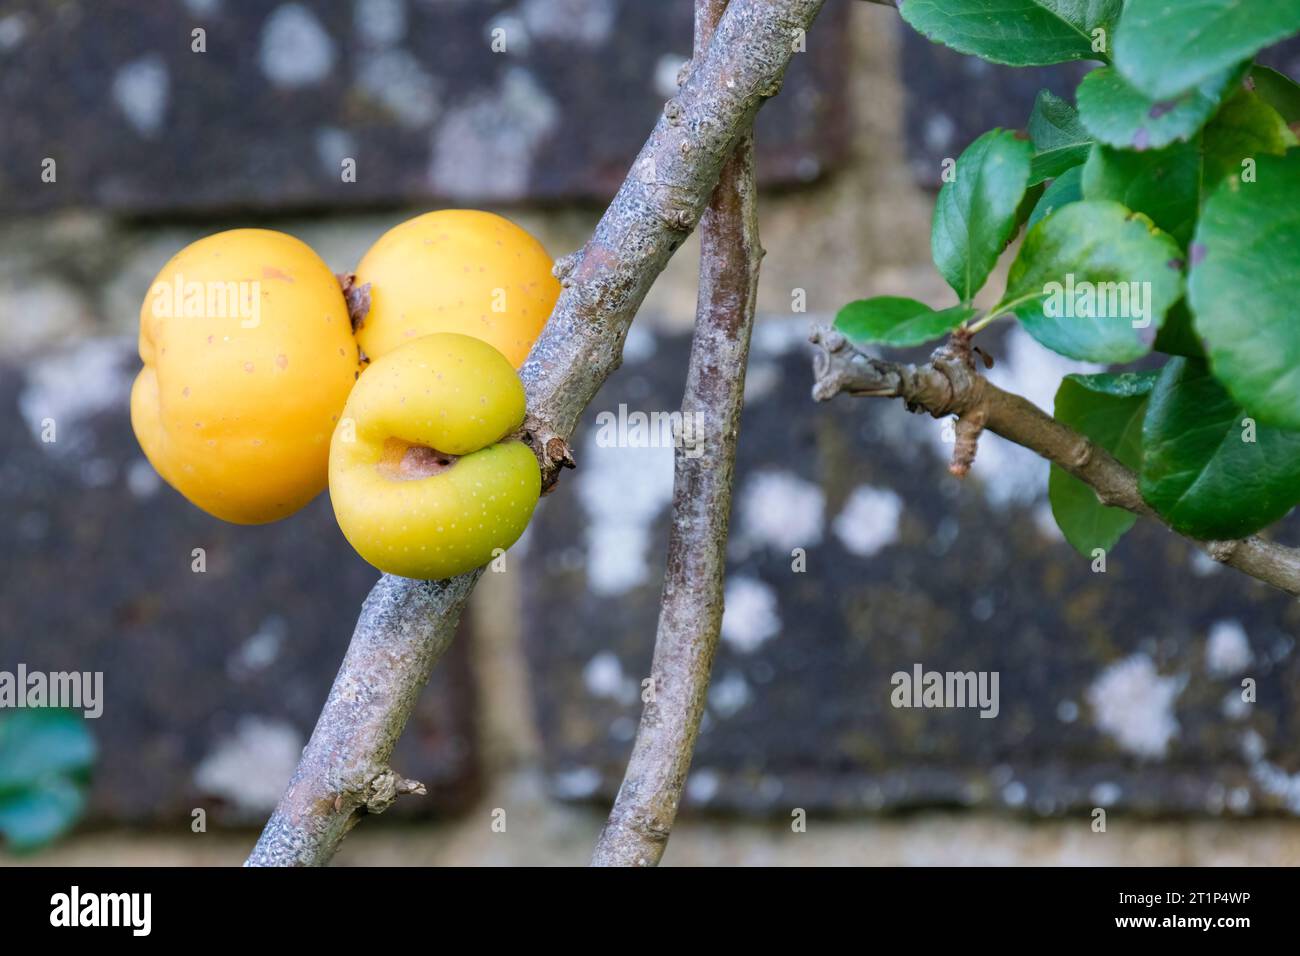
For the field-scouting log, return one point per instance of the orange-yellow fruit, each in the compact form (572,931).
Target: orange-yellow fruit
(457,270)
(422,482)
(248,359)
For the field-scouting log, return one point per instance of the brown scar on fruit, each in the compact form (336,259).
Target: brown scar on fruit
(356,296)
(271,272)
(405,461)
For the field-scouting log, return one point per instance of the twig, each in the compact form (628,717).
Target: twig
(604,285)
(949,386)
(690,613)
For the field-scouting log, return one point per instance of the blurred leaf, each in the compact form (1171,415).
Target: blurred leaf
(44,756)
(1120,116)
(975,213)
(1060,141)
(890,320)
(1064,189)
(1278,91)
(1241,287)
(1015,32)
(1165,47)
(1162,184)
(1200,471)
(1108,409)
(1103,247)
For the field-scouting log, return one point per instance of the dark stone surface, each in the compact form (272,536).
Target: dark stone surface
(212,681)
(952,99)
(411,89)
(1116,689)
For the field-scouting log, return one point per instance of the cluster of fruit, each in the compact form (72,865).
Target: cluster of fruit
(257,391)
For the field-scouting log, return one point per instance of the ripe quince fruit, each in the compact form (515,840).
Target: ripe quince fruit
(425,482)
(248,359)
(457,270)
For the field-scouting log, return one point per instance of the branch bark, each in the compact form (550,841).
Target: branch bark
(950,385)
(603,286)
(690,613)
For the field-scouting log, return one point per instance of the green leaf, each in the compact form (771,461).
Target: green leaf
(976,211)
(1065,189)
(1016,32)
(1278,91)
(44,756)
(33,817)
(1124,273)
(1199,469)
(1177,336)
(1242,288)
(1162,184)
(1060,141)
(1118,115)
(891,320)
(1245,127)
(35,744)
(1108,409)
(1164,47)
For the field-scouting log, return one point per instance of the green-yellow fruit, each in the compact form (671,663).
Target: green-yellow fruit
(248,358)
(457,270)
(423,484)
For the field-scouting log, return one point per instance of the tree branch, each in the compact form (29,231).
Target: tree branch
(690,613)
(950,385)
(603,286)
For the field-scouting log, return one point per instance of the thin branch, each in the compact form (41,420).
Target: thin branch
(655,209)
(690,614)
(950,385)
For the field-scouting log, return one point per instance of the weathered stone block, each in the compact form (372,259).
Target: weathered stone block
(1120,688)
(455,101)
(212,679)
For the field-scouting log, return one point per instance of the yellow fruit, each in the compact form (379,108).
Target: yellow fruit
(422,483)
(248,358)
(457,270)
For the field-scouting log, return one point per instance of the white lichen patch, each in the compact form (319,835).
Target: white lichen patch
(1134,704)
(141,90)
(869,520)
(751,614)
(1227,649)
(485,148)
(396,80)
(585,22)
(728,696)
(604,678)
(63,391)
(250,768)
(622,491)
(782,511)
(295,48)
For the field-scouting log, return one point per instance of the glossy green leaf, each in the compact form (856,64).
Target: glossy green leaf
(1242,288)
(1162,184)
(1063,190)
(1120,116)
(1278,91)
(891,320)
(44,757)
(1108,409)
(975,213)
(1245,128)
(1093,281)
(1164,47)
(1209,469)
(1017,32)
(1060,141)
